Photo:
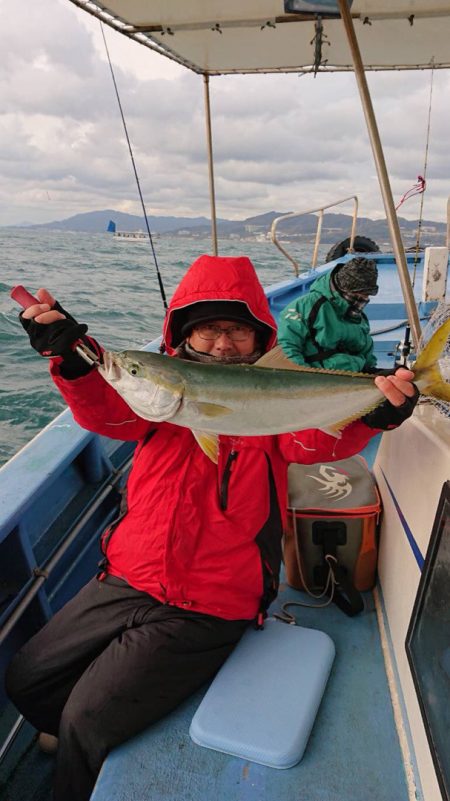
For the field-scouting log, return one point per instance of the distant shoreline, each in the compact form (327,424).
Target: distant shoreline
(430,236)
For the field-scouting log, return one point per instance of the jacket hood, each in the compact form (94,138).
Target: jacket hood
(218,278)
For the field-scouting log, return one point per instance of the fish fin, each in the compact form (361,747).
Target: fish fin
(277,359)
(211,409)
(335,429)
(209,444)
(437,386)
(426,368)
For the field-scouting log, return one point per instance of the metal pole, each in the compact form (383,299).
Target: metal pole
(212,197)
(318,235)
(383,177)
(353,231)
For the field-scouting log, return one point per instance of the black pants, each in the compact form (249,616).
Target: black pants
(108,664)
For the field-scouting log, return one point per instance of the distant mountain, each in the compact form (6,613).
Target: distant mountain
(335,227)
(97,222)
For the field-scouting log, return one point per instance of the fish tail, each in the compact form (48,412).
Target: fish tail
(429,378)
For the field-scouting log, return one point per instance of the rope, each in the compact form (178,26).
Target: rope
(161,285)
(329,588)
(416,189)
(376,331)
(319,39)
(330,585)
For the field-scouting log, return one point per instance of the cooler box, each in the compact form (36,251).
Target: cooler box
(333,507)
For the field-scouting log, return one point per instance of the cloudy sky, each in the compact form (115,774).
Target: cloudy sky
(280,142)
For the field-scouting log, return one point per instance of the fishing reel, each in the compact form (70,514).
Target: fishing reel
(403,350)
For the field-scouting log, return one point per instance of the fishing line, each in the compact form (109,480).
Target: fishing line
(160,282)
(419,224)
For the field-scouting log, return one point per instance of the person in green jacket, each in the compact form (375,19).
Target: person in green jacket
(327,327)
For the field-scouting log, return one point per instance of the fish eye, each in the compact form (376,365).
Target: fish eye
(134,369)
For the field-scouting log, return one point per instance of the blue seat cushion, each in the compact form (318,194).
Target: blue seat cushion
(262,704)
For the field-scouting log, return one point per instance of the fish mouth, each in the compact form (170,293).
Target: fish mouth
(116,366)
(151,396)
(110,367)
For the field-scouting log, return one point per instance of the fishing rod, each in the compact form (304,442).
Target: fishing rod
(160,281)
(404,348)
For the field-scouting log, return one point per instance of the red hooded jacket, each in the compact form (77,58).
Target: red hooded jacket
(199,535)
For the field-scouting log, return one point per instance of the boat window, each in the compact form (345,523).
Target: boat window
(428,642)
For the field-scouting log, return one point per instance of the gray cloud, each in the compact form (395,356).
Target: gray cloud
(283,142)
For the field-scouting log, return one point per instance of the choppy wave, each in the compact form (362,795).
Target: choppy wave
(111,286)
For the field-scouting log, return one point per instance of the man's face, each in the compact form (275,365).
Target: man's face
(221,338)
(359,299)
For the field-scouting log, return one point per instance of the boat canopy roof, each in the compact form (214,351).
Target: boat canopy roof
(231,36)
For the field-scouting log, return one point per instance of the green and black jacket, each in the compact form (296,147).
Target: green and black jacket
(316,330)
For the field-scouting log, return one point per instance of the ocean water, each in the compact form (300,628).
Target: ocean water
(108,284)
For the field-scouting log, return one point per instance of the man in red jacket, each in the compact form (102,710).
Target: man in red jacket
(194,558)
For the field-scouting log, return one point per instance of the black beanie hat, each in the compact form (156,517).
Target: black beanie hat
(208,310)
(359,275)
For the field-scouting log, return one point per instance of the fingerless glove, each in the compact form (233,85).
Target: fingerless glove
(386,416)
(57,339)
(380,371)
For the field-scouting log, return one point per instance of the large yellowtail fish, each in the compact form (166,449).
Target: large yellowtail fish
(270,397)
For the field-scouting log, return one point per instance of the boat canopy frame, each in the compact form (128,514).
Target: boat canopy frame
(231,37)
(392,34)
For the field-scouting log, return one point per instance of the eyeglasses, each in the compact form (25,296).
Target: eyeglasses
(237,333)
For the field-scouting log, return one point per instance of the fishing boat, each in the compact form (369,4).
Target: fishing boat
(127,236)
(381,732)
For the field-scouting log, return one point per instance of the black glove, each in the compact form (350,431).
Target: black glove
(387,416)
(57,339)
(380,370)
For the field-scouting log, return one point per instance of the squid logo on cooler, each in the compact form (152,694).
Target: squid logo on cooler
(334,484)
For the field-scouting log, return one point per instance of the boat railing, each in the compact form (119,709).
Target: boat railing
(319,211)
(58,493)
